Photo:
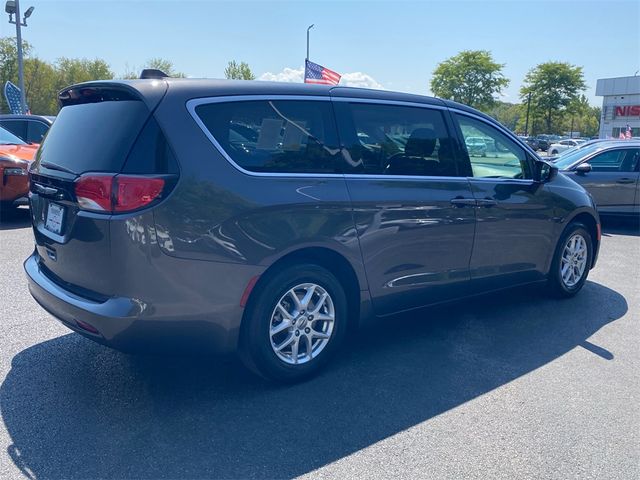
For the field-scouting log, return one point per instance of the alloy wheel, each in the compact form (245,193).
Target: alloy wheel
(574,260)
(301,323)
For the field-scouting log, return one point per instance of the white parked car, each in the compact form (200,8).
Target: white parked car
(562,145)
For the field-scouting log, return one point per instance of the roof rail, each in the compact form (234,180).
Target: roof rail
(152,73)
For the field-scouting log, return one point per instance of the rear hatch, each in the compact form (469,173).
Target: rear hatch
(103,158)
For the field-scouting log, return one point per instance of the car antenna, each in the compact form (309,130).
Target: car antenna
(152,73)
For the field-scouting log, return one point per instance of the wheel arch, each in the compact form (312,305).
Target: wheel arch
(592,225)
(324,257)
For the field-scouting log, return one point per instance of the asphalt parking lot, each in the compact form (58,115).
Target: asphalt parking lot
(514,385)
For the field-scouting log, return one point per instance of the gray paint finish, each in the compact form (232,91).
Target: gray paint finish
(185,264)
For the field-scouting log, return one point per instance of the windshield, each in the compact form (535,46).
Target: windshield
(8,138)
(569,158)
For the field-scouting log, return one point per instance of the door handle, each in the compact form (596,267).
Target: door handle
(463,202)
(487,202)
(625,180)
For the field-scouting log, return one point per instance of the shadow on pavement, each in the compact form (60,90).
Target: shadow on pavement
(620,226)
(78,410)
(14,218)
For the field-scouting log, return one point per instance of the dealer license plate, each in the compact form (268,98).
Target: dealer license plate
(55,216)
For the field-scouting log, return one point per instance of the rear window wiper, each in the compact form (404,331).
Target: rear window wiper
(53,166)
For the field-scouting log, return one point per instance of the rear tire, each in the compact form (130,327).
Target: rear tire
(288,340)
(571,262)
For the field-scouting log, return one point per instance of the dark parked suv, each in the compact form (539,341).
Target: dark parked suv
(270,218)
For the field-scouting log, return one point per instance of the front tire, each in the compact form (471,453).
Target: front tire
(571,262)
(295,323)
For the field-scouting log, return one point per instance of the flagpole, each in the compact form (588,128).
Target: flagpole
(308,28)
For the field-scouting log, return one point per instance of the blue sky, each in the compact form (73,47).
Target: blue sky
(394,45)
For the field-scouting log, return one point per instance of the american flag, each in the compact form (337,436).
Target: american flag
(12,94)
(627,134)
(314,73)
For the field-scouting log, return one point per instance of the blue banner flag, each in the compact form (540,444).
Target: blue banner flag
(12,94)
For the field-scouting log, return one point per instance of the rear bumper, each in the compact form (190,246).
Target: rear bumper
(128,324)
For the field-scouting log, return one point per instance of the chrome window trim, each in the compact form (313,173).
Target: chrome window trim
(196,102)
(399,103)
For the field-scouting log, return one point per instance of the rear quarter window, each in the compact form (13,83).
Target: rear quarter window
(275,136)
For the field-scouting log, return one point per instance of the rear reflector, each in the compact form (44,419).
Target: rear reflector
(247,291)
(105,192)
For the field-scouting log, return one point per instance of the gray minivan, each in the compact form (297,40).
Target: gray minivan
(270,218)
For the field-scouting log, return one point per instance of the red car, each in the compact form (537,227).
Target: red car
(15,158)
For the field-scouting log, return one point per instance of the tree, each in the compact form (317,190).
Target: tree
(165,66)
(43,80)
(156,63)
(77,70)
(41,86)
(508,114)
(581,117)
(553,86)
(238,71)
(470,77)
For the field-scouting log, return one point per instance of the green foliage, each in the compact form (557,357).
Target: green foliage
(238,71)
(42,80)
(581,117)
(77,70)
(508,114)
(40,86)
(470,77)
(553,87)
(164,65)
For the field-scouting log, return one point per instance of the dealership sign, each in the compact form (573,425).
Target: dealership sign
(627,111)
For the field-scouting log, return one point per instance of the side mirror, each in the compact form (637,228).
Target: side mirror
(545,171)
(583,168)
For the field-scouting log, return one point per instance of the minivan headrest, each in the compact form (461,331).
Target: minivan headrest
(421,143)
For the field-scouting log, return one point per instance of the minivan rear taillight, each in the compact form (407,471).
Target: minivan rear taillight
(108,193)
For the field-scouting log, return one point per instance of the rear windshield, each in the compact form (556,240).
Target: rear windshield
(93,137)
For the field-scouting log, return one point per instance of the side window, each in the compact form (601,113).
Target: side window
(614,161)
(491,153)
(395,140)
(282,136)
(36,131)
(17,127)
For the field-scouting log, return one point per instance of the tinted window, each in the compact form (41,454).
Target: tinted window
(275,136)
(151,153)
(17,127)
(491,153)
(395,140)
(93,137)
(615,161)
(36,131)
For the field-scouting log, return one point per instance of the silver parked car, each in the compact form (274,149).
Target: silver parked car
(610,171)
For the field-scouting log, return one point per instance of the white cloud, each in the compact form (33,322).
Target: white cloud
(359,79)
(354,79)
(286,75)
